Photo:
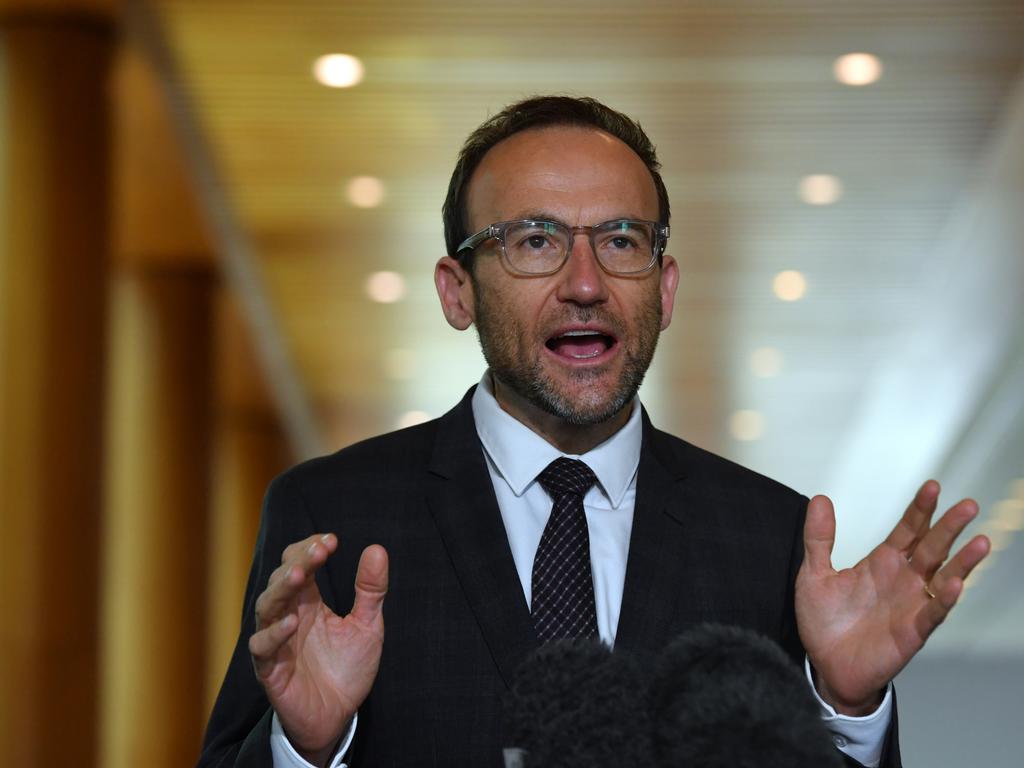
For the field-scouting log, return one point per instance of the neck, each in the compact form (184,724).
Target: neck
(569,438)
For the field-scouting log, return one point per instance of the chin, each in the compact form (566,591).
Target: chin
(582,396)
(583,407)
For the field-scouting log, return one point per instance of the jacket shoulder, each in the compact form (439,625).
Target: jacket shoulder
(387,458)
(719,477)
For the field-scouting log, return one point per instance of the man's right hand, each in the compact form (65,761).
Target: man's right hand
(317,667)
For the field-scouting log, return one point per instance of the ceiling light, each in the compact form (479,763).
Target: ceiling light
(820,189)
(385,287)
(857,69)
(766,362)
(411,419)
(746,425)
(338,70)
(365,191)
(789,285)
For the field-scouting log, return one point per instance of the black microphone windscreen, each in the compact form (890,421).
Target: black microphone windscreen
(576,704)
(728,697)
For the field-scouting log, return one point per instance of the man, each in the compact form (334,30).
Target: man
(556,223)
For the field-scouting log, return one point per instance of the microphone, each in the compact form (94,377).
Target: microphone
(716,697)
(727,697)
(575,704)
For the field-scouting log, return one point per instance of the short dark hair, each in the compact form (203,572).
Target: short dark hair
(540,112)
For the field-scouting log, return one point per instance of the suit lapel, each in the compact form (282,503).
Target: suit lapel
(654,569)
(461,498)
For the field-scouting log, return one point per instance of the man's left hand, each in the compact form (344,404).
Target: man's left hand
(862,625)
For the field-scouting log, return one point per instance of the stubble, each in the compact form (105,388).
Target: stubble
(515,357)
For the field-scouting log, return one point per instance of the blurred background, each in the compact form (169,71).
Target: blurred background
(219,223)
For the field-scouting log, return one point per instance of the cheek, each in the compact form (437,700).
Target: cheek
(520,320)
(510,318)
(514,312)
(646,314)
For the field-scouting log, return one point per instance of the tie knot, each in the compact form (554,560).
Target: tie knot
(564,476)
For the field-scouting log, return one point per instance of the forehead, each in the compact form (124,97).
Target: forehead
(578,175)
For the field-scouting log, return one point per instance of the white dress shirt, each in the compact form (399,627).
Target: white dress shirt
(515,456)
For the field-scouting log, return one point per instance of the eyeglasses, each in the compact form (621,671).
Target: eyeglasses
(538,247)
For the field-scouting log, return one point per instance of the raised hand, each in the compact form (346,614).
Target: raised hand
(318,667)
(862,625)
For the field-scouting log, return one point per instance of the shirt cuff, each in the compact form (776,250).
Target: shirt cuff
(285,756)
(859,737)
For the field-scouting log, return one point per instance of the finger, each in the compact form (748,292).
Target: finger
(933,549)
(308,555)
(371,584)
(279,573)
(936,610)
(279,596)
(287,581)
(819,534)
(948,584)
(916,519)
(264,645)
(962,563)
(297,549)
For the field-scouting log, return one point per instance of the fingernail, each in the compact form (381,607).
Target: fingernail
(312,548)
(325,538)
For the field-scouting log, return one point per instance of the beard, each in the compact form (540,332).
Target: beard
(515,355)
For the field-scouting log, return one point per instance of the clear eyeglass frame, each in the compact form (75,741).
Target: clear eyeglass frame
(659,239)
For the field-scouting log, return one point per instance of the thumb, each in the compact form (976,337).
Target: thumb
(371,584)
(819,534)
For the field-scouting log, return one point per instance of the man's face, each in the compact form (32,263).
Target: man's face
(575,344)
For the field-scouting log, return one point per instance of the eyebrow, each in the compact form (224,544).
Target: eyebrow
(542,215)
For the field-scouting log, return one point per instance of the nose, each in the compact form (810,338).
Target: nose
(582,280)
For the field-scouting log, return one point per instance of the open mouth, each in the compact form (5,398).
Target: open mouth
(580,344)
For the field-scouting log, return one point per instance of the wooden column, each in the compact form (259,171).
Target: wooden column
(54,212)
(160,409)
(157,493)
(250,447)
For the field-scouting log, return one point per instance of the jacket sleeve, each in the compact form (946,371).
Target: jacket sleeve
(238,732)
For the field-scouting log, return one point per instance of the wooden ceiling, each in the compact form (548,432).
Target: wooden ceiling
(741,101)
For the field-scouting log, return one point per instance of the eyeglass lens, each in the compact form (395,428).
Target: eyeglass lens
(541,246)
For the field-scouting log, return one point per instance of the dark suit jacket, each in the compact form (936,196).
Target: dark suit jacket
(711,541)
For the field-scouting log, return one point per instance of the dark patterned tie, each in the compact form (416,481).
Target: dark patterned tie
(563,588)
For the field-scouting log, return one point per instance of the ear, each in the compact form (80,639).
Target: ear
(455,289)
(669,283)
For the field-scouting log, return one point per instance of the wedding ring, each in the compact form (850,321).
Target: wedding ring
(927,591)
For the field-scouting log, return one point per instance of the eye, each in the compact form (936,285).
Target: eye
(620,239)
(535,237)
(618,242)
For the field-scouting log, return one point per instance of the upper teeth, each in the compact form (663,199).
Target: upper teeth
(580,333)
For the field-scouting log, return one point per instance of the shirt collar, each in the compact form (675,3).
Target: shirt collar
(519,454)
